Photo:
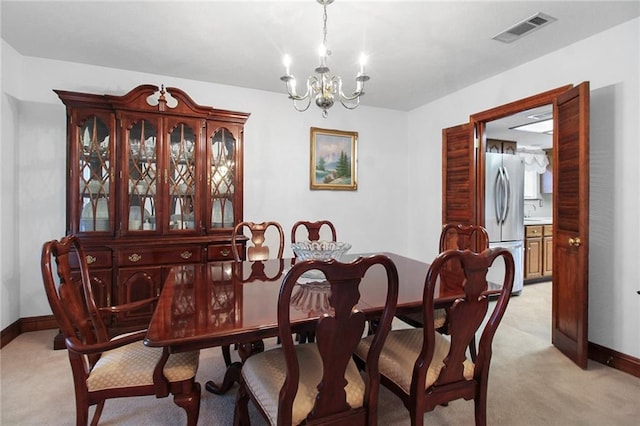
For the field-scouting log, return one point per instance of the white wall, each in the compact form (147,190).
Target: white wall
(9,271)
(373,218)
(610,62)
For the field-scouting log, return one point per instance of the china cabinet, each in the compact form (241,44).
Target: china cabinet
(153,180)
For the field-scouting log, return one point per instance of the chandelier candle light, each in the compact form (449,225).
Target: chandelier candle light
(323,87)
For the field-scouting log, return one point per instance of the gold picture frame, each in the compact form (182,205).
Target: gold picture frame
(333,159)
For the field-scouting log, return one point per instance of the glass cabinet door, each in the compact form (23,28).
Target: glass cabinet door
(143,176)
(222,148)
(95,167)
(183,201)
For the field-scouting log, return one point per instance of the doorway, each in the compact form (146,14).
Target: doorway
(464,148)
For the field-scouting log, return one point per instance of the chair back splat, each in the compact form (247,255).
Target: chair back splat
(319,382)
(313,230)
(258,249)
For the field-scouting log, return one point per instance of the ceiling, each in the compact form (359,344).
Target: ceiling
(503,129)
(417,51)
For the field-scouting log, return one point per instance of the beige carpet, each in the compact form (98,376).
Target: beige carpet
(530,384)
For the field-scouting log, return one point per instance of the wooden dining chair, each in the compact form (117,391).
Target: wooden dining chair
(104,367)
(457,237)
(426,368)
(319,383)
(258,249)
(313,230)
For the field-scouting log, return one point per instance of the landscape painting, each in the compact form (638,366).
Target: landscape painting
(333,159)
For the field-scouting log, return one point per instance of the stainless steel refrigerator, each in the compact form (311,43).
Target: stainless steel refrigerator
(504,212)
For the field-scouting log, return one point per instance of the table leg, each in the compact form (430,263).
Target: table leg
(232,375)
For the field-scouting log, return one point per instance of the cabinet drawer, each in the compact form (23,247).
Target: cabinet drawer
(222,252)
(95,259)
(184,254)
(533,231)
(547,230)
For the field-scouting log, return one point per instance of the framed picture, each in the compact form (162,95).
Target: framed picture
(333,159)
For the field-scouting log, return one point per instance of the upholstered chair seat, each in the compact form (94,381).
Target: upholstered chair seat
(133,365)
(264,375)
(399,354)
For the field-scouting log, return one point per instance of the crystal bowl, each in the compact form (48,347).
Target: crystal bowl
(320,250)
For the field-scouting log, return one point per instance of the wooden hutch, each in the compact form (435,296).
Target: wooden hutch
(153,180)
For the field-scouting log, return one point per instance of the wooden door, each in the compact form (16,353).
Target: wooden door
(458,175)
(571,223)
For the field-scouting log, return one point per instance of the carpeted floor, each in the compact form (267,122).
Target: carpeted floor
(531,383)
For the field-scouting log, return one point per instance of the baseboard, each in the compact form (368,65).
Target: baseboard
(9,333)
(24,325)
(614,359)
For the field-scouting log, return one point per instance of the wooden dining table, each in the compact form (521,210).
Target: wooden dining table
(204,305)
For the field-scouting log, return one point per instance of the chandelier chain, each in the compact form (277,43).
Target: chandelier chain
(324,29)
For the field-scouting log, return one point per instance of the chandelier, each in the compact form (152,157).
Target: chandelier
(322,87)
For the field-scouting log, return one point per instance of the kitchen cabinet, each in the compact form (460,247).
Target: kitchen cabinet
(153,180)
(501,146)
(547,250)
(533,251)
(538,259)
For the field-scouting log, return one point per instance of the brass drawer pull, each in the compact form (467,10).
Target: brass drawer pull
(91,259)
(186,254)
(225,252)
(135,257)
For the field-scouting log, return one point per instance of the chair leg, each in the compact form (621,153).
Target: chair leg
(241,412)
(96,414)
(480,406)
(226,354)
(417,418)
(190,402)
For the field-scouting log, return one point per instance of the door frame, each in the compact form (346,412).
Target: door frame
(478,122)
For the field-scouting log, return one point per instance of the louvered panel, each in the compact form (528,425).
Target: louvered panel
(458,171)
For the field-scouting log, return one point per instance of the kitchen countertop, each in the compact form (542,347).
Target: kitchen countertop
(538,221)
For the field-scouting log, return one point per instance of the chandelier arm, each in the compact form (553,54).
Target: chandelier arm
(349,106)
(302,109)
(354,96)
(291,90)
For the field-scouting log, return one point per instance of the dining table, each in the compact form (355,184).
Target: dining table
(220,303)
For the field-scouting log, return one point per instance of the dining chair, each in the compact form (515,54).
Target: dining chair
(105,367)
(459,237)
(313,230)
(258,250)
(319,383)
(426,368)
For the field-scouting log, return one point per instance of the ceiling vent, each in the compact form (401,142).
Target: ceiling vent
(525,27)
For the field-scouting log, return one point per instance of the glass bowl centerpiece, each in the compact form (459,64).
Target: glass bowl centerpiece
(319,250)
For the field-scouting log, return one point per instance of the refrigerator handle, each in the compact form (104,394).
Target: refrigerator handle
(497,198)
(507,198)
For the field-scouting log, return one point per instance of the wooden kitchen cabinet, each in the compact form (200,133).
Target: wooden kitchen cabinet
(538,259)
(533,252)
(153,180)
(547,250)
(502,146)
